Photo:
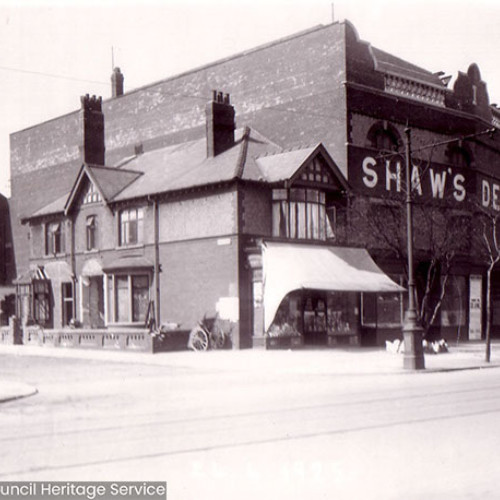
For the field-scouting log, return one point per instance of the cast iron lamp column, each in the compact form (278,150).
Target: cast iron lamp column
(412,331)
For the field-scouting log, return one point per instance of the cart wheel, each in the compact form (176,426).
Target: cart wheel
(198,340)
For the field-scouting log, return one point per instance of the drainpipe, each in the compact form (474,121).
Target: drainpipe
(73,265)
(156,218)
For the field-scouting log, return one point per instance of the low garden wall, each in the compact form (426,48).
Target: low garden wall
(124,339)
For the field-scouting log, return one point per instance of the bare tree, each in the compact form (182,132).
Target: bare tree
(440,234)
(487,236)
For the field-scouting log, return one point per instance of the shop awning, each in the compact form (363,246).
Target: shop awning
(289,267)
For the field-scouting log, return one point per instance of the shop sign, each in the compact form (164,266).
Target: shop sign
(381,175)
(490,193)
(475,307)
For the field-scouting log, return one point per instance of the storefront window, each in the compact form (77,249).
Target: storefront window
(288,319)
(382,309)
(341,313)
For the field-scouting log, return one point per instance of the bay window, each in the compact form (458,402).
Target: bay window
(41,303)
(302,214)
(127,298)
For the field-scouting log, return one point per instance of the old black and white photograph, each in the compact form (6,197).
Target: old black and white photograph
(249,249)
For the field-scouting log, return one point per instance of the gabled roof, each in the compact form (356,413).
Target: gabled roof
(108,181)
(287,165)
(186,166)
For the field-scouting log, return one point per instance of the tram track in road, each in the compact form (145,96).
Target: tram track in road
(72,449)
(145,420)
(242,444)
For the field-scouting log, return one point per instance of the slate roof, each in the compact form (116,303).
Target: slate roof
(52,208)
(280,167)
(186,166)
(112,181)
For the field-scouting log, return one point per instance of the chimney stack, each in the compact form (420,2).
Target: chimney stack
(93,130)
(117,83)
(220,124)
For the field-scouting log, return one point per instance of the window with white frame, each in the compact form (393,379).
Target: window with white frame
(54,238)
(131,230)
(127,298)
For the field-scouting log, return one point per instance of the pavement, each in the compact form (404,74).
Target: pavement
(319,361)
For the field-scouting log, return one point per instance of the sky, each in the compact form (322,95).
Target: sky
(52,52)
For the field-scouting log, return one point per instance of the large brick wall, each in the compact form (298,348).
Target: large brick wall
(256,210)
(195,275)
(198,216)
(29,192)
(292,100)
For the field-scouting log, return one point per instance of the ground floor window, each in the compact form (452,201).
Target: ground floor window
(41,302)
(384,310)
(127,298)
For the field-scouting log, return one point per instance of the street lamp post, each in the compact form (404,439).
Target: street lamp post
(412,331)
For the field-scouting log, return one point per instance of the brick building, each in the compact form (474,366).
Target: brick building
(171,205)
(7,264)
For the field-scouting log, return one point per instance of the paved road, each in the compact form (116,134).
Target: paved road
(214,433)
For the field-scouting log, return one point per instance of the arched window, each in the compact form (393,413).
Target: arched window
(383,137)
(458,156)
